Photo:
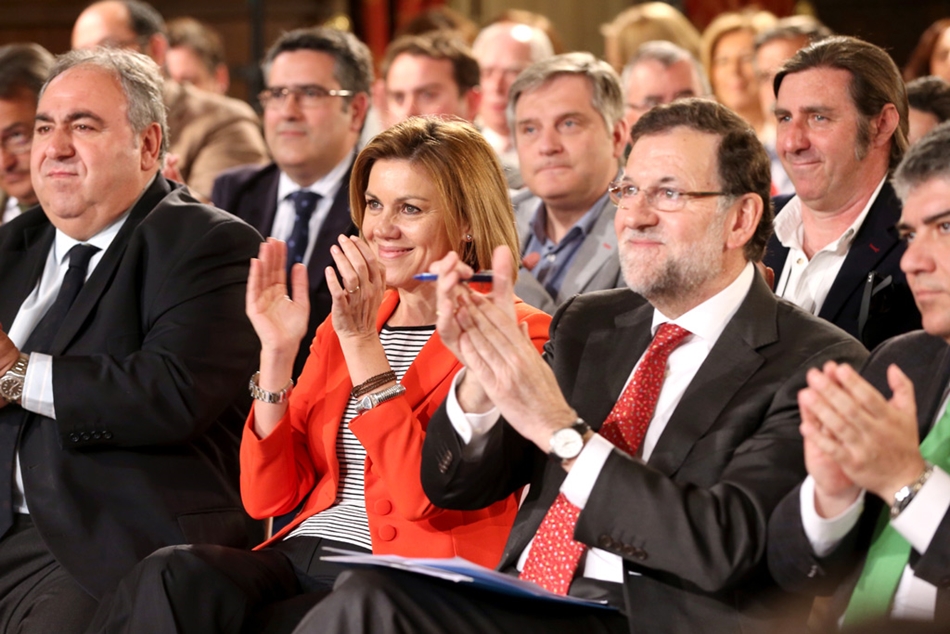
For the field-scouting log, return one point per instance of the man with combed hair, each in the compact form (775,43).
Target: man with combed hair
(207,133)
(315,102)
(503,50)
(841,115)
(196,55)
(434,73)
(660,72)
(124,344)
(929,101)
(566,113)
(23,69)
(871,521)
(663,464)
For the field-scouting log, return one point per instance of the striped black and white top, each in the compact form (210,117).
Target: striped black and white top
(346,519)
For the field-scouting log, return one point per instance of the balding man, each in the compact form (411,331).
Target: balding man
(207,133)
(660,72)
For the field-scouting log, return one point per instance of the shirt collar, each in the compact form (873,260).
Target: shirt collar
(539,222)
(789,229)
(326,187)
(709,319)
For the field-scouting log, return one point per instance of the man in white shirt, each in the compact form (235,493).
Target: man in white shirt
(503,50)
(315,101)
(841,113)
(673,532)
(23,69)
(123,352)
(879,439)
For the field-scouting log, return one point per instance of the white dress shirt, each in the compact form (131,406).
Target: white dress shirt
(806,282)
(917,523)
(38,383)
(327,188)
(10,211)
(706,322)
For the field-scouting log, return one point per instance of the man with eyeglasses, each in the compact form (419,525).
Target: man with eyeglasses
(655,440)
(317,94)
(660,72)
(23,69)
(207,133)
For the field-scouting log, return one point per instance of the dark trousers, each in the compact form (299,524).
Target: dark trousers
(203,588)
(389,601)
(36,594)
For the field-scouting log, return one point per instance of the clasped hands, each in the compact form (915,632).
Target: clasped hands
(855,438)
(503,367)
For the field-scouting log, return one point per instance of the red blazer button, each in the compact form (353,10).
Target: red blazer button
(387,532)
(383,507)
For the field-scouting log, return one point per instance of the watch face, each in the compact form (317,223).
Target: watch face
(567,443)
(11,388)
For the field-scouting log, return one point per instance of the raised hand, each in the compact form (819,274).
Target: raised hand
(357,299)
(280,320)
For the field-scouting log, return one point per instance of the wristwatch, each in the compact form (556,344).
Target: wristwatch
(905,495)
(372,400)
(257,392)
(566,443)
(11,383)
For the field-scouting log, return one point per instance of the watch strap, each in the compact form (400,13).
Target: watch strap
(906,494)
(260,394)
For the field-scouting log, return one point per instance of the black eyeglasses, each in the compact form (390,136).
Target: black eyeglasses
(16,141)
(662,198)
(309,96)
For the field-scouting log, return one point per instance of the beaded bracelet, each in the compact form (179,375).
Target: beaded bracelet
(372,383)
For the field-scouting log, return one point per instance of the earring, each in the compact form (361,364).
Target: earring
(468,237)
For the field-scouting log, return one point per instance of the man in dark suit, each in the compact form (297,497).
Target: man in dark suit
(670,529)
(125,343)
(841,111)
(317,93)
(883,432)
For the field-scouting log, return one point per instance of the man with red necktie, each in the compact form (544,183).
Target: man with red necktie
(656,436)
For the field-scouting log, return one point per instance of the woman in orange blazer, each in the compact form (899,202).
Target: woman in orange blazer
(347,441)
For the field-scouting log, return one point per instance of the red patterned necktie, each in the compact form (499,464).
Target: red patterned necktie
(554,553)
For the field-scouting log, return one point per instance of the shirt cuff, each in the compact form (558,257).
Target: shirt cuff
(919,521)
(472,428)
(825,534)
(38,386)
(586,469)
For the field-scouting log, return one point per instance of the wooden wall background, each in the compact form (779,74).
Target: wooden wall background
(893,24)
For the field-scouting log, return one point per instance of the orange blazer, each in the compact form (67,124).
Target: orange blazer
(298,459)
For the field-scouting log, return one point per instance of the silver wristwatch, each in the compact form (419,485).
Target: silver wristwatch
(567,443)
(260,394)
(905,495)
(372,400)
(11,383)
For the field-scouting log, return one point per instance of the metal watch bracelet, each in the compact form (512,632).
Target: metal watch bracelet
(264,396)
(906,494)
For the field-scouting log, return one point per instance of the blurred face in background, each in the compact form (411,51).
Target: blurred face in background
(733,73)
(16,134)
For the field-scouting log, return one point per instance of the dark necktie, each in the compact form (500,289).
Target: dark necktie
(554,554)
(304,204)
(40,340)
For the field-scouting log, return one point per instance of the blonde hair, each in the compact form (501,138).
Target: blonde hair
(466,173)
(753,21)
(644,23)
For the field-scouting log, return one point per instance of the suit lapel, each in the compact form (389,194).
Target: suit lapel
(101,277)
(599,248)
(753,326)
(929,402)
(338,221)
(776,254)
(875,240)
(22,266)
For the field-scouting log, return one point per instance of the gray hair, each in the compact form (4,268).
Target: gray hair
(352,61)
(138,75)
(607,98)
(926,160)
(538,41)
(667,54)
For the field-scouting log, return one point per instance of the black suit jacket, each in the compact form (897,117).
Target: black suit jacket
(926,361)
(250,193)
(877,248)
(147,366)
(689,524)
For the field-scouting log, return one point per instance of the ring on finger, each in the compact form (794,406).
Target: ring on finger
(354,290)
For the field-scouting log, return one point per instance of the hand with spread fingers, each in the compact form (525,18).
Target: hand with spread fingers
(872,440)
(279,318)
(500,359)
(358,294)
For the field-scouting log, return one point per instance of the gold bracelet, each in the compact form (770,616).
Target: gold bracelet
(372,383)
